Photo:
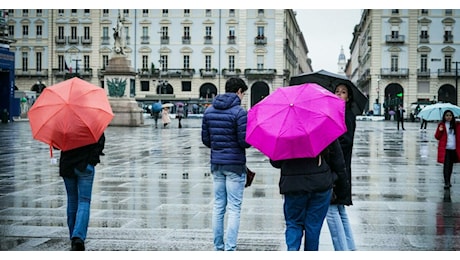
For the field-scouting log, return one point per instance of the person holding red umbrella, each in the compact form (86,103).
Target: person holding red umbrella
(77,168)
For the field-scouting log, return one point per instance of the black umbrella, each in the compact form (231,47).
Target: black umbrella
(329,81)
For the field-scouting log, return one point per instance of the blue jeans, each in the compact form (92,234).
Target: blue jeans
(228,189)
(79,189)
(339,226)
(305,212)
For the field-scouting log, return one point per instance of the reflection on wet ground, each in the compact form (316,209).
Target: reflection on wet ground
(153,191)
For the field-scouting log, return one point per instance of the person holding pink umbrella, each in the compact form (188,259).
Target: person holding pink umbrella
(306,184)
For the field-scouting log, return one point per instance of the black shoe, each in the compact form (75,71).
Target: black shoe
(77,244)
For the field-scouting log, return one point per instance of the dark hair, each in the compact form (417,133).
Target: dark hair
(350,92)
(234,84)
(452,122)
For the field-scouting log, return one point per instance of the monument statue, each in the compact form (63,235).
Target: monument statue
(118,47)
(117,87)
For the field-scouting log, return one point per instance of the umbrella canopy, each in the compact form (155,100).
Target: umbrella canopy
(329,81)
(296,122)
(167,105)
(434,112)
(156,107)
(70,114)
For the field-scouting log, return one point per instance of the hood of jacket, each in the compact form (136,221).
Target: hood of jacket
(226,101)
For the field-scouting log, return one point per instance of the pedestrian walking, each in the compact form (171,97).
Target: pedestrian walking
(180,114)
(337,217)
(77,168)
(156,116)
(400,116)
(224,131)
(448,145)
(424,123)
(165,117)
(306,184)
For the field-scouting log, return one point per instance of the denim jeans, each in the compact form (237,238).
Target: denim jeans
(305,212)
(339,227)
(228,190)
(79,189)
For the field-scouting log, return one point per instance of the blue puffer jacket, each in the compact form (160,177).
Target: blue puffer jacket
(224,131)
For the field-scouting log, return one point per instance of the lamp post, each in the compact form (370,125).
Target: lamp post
(456,81)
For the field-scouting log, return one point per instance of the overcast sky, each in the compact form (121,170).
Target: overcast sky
(326,32)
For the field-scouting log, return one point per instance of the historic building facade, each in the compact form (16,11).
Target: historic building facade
(177,54)
(406,56)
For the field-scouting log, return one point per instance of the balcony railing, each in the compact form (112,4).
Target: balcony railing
(208,39)
(105,40)
(447,73)
(164,39)
(422,73)
(72,40)
(208,73)
(148,73)
(31,73)
(388,72)
(231,73)
(448,38)
(186,39)
(145,39)
(395,39)
(260,73)
(231,39)
(86,40)
(60,40)
(424,38)
(260,40)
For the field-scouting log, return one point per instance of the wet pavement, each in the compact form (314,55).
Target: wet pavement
(153,192)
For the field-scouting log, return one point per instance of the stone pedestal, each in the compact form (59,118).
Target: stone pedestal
(119,79)
(126,112)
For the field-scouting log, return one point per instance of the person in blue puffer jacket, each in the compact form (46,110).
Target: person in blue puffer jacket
(224,131)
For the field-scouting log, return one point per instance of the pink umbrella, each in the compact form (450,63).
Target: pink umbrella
(296,122)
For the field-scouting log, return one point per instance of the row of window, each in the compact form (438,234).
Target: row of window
(447,12)
(145,32)
(126,12)
(146,62)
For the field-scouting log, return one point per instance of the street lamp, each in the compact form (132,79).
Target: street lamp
(456,81)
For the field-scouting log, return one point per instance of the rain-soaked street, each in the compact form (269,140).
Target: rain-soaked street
(153,191)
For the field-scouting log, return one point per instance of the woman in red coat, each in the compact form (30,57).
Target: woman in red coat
(449,145)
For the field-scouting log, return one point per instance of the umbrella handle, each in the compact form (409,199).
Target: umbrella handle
(51,151)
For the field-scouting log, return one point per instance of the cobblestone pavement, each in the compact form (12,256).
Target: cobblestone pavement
(153,192)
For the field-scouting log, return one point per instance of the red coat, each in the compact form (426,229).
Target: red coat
(442,137)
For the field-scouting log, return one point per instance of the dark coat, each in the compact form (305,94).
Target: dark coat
(305,175)
(223,130)
(441,136)
(80,157)
(346,142)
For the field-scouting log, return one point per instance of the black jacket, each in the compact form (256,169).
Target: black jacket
(80,157)
(305,175)
(346,142)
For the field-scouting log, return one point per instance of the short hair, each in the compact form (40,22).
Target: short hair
(233,84)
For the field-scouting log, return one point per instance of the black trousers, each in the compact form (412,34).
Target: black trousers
(448,166)
(402,123)
(424,124)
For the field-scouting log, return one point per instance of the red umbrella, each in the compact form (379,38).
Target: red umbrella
(296,122)
(70,114)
